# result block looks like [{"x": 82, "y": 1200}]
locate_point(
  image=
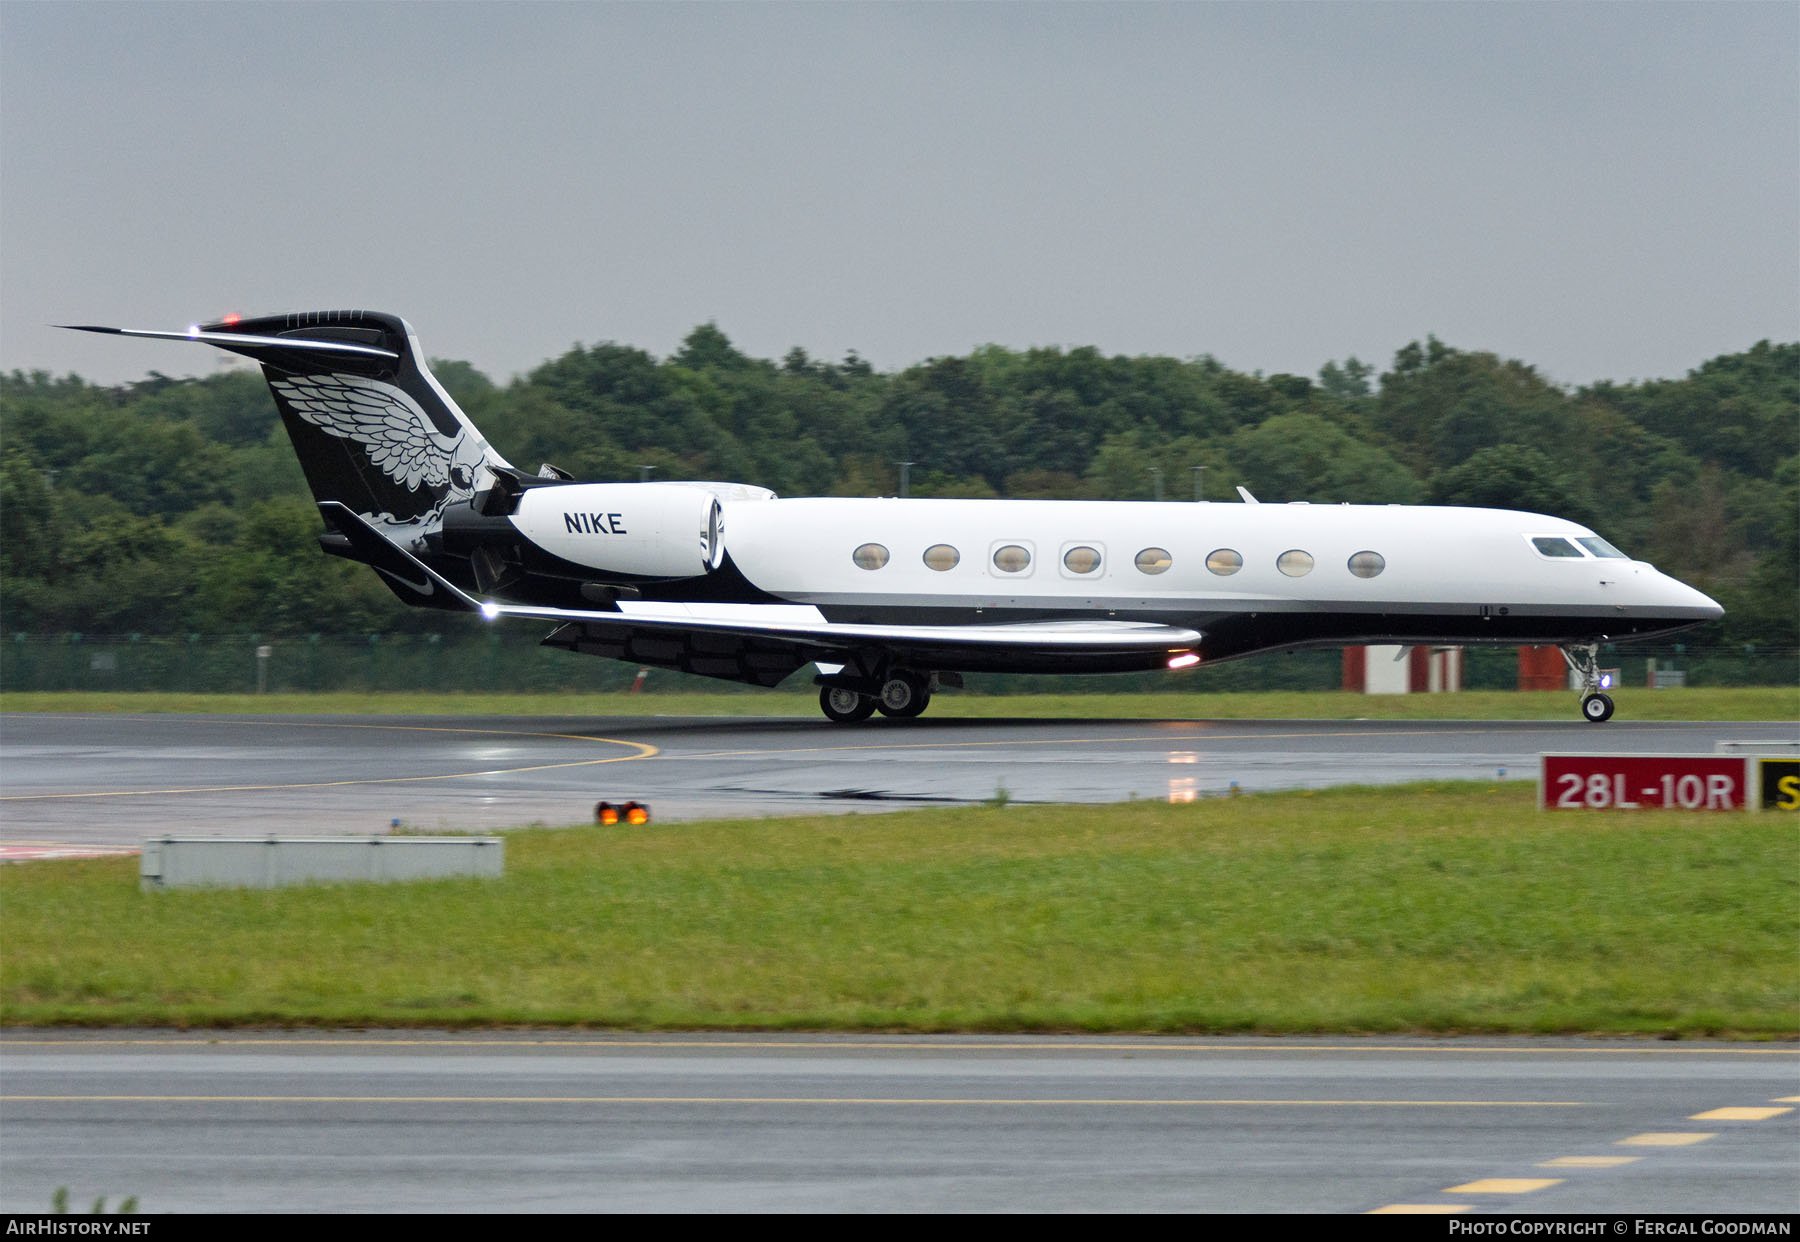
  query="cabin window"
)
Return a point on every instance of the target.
[
  {"x": 1154, "y": 561},
  {"x": 1556, "y": 546},
  {"x": 1599, "y": 547},
  {"x": 1011, "y": 559},
  {"x": 1295, "y": 563},
  {"x": 1225, "y": 562},
  {"x": 941, "y": 557},
  {"x": 870, "y": 556},
  {"x": 1082, "y": 560},
  {"x": 1367, "y": 564}
]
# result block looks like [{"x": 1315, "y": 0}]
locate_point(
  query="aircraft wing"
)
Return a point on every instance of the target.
[{"x": 788, "y": 635}]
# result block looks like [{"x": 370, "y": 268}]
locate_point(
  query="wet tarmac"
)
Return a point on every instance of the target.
[{"x": 115, "y": 779}]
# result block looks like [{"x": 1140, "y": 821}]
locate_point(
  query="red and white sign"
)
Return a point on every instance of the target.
[
  {"x": 1650, "y": 782},
  {"x": 29, "y": 851}
]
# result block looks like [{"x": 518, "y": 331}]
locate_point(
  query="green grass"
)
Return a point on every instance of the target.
[
  {"x": 1455, "y": 910},
  {"x": 1710, "y": 703}
]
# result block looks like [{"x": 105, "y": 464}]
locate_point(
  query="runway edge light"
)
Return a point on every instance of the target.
[{"x": 607, "y": 814}]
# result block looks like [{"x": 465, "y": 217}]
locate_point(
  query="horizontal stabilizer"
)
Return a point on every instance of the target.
[
  {"x": 240, "y": 342},
  {"x": 406, "y": 575}
]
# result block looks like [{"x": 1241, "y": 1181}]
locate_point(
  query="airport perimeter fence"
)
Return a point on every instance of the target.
[{"x": 502, "y": 661}]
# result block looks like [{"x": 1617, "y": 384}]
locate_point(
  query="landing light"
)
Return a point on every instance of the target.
[
  {"x": 1186, "y": 659},
  {"x": 1606, "y": 681},
  {"x": 490, "y": 611}
]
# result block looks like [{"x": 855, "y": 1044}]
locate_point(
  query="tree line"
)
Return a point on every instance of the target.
[{"x": 176, "y": 505}]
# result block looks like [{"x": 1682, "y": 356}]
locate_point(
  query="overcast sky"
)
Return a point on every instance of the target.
[{"x": 1604, "y": 190}]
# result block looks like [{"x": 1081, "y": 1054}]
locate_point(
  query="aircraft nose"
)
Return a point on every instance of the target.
[{"x": 1697, "y": 604}]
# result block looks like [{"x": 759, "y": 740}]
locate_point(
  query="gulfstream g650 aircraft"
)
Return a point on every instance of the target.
[{"x": 892, "y": 598}]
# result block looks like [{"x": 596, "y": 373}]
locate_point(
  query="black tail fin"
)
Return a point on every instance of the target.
[{"x": 373, "y": 428}]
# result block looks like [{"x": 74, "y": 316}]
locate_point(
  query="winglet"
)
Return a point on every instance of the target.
[{"x": 410, "y": 578}]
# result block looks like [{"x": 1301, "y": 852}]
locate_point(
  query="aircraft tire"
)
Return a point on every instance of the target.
[
  {"x": 920, "y": 702},
  {"x": 843, "y": 706},
  {"x": 903, "y": 695},
  {"x": 1597, "y": 708}
]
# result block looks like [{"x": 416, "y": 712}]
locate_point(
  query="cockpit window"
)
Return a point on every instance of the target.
[
  {"x": 1599, "y": 547},
  {"x": 1555, "y": 545}
]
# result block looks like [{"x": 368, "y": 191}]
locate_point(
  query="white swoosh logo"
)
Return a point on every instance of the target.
[{"x": 423, "y": 587}]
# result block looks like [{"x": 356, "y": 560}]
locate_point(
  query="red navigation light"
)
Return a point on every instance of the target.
[{"x": 231, "y": 319}]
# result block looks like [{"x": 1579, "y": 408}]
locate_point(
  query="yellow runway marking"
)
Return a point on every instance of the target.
[
  {"x": 1739, "y": 1114},
  {"x": 1587, "y": 1162},
  {"x": 644, "y": 751},
  {"x": 1503, "y": 1186},
  {"x": 924, "y": 1045},
  {"x": 1664, "y": 1140},
  {"x": 1419, "y": 1209},
  {"x": 289, "y": 722},
  {"x": 750, "y": 1099},
  {"x": 1787, "y": 1099}
]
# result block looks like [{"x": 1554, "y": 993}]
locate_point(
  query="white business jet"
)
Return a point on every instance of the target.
[{"x": 893, "y": 598}]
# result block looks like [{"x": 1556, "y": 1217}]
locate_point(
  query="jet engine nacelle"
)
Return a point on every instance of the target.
[{"x": 635, "y": 530}]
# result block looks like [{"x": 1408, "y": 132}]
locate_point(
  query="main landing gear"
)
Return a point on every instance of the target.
[
  {"x": 1596, "y": 707},
  {"x": 843, "y": 706},
  {"x": 903, "y": 694}
]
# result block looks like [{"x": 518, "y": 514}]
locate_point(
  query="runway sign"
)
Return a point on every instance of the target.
[
  {"x": 1778, "y": 784},
  {"x": 1664, "y": 782},
  {"x": 30, "y": 851}
]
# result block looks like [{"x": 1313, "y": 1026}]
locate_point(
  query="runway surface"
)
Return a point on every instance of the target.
[
  {"x": 229, "y": 1121},
  {"x": 548, "y": 1122},
  {"x": 112, "y": 780}
]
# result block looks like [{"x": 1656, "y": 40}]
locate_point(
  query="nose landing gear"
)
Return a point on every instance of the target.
[{"x": 1596, "y": 707}]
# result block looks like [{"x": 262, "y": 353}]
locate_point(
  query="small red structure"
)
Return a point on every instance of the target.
[
  {"x": 1421, "y": 670},
  {"x": 1542, "y": 668}
]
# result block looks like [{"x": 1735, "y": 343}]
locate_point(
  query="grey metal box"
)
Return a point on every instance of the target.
[{"x": 270, "y": 862}]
